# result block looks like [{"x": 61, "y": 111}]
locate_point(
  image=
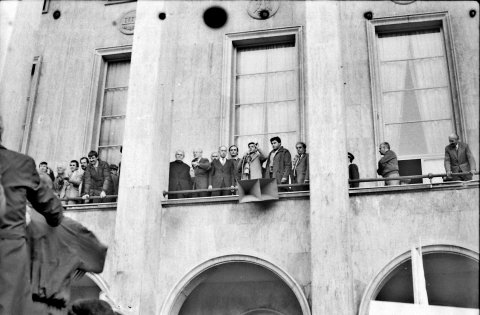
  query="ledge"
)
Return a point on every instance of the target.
[{"x": 112, "y": 206}]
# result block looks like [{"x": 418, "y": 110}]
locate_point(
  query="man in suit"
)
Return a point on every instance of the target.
[
  {"x": 458, "y": 159},
  {"x": 221, "y": 173},
  {"x": 279, "y": 162},
  {"x": 19, "y": 181},
  {"x": 179, "y": 176},
  {"x": 200, "y": 167},
  {"x": 388, "y": 164},
  {"x": 300, "y": 167},
  {"x": 233, "y": 150},
  {"x": 352, "y": 170},
  {"x": 98, "y": 180}
]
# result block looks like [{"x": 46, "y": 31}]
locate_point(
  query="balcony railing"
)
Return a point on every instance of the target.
[{"x": 291, "y": 189}]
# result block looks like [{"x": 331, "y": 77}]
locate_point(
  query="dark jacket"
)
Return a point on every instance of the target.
[
  {"x": 353, "y": 174},
  {"x": 300, "y": 169},
  {"x": 20, "y": 181},
  {"x": 460, "y": 161},
  {"x": 179, "y": 178},
  {"x": 98, "y": 179},
  {"x": 221, "y": 174},
  {"x": 282, "y": 165},
  {"x": 387, "y": 164}
]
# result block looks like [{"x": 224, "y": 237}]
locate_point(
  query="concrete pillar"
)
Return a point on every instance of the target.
[
  {"x": 135, "y": 256},
  {"x": 332, "y": 289}
]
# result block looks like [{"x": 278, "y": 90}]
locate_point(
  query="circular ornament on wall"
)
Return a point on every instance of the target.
[
  {"x": 262, "y": 9},
  {"x": 404, "y": 2},
  {"x": 126, "y": 23}
]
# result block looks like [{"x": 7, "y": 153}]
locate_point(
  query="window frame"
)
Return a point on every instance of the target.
[
  {"x": 102, "y": 57},
  {"x": 232, "y": 42},
  {"x": 414, "y": 22}
]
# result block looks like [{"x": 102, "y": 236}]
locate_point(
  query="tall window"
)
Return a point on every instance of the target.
[
  {"x": 113, "y": 109},
  {"x": 266, "y": 95},
  {"x": 413, "y": 91}
]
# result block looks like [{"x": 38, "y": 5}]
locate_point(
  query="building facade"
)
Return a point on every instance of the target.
[{"x": 342, "y": 76}]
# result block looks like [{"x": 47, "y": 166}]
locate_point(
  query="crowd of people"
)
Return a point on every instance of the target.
[
  {"x": 88, "y": 180},
  {"x": 223, "y": 172}
]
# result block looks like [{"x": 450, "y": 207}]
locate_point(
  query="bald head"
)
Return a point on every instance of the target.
[{"x": 453, "y": 140}]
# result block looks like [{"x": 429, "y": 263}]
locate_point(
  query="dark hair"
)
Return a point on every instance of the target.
[
  {"x": 230, "y": 147},
  {"x": 93, "y": 153},
  {"x": 43, "y": 163},
  {"x": 121, "y": 148},
  {"x": 90, "y": 307},
  {"x": 250, "y": 143},
  {"x": 276, "y": 139},
  {"x": 302, "y": 143},
  {"x": 386, "y": 144},
  {"x": 83, "y": 158},
  {"x": 74, "y": 161}
]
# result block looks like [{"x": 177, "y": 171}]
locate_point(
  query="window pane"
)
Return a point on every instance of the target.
[
  {"x": 117, "y": 73},
  {"x": 252, "y": 117},
  {"x": 115, "y": 102},
  {"x": 425, "y": 105},
  {"x": 110, "y": 155},
  {"x": 281, "y": 86},
  {"x": 282, "y": 117},
  {"x": 250, "y": 89},
  {"x": 111, "y": 131},
  {"x": 407, "y": 45},
  {"x": 418, "y": 138},
  {"x": 281, "y": 57}
]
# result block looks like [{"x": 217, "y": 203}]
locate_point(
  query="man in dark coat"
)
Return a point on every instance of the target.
[
  {"x": 98, "y": 180},
  {"x": 352, "y": 170},
  {"x": 233, "y": 150},
  {"x": 458, "y": 159},
  {"x": 20, "y": 181},
  {"x": 221, "y": 173},
  {"x": 279, "y": 162},
  {"x": 388, "y": 164},
  {"x": 300, "y": 167},
  {"x": 200, "y": 167},
  {"x": 179, "y": 176}
]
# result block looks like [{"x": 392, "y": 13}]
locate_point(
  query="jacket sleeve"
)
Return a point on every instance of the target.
[
  {"x": 41, "y": 196},
  {"x": 262, "y": 155},
  {"x": 204, "y": 164},
  {"x": 446, "y": 161},
  {"x": 232, "y": 172},
  {"x": 287, "y": 164},
  {"x": 107, "y": 179},
  {"x": 380, "y": 166},
  {"x": 76, "y": 178},
  {"x": 471, "y": 159},
  {"x": 87, "y": 181},
  {"x": 307, "y": 167},
  {"x": 211, "y": 173}
]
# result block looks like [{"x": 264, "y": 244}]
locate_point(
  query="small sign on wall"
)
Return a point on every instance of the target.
[{"x": 126, "y": 23}]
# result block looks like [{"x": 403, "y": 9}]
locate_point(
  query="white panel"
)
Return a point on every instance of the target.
[{"x": 393, "y": 308}]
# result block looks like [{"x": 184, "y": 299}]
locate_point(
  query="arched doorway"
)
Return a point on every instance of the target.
[
  {"x": 236, "y": 284},
  {"x": 451, "y": 275}
]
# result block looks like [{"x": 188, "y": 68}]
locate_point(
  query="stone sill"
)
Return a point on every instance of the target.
[
  {"x": 112, "y": 2},
  {"x": 112, "y": 206}
]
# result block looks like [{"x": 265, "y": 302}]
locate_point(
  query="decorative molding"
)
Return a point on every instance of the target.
[
  {"x": 126, "y": 23},
  {"x": 194, "y": 277},
  {"x": 262, "y": 9},
  {"x": 31, "y": 101}
]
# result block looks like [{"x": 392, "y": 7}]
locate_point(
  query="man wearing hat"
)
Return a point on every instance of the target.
[
  {"x": 115, "y": 178},
  {"x": 352, "y": 171}
]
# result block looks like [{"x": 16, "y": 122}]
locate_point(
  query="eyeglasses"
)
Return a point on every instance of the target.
[{"x": 299, "y": 147}]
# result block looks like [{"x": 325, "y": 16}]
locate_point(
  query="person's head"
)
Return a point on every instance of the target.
[
  {"x": 60, "y": 171},
  {"x": 43, "y": 166},
  {"x": 214, "y": 156},
  {"x": 276, "y": 142},
  {"x": 301, "y": 147},
  {"x": 350, "y": 157},
  {"x": 179, "y": 155},
  {"x": 384, "y": 147},
  {"x": 113, "y": 169},
  {"x": 197, "y": 153},
  {"x": 73, "y": 165},
  {"x": 93, "y": 157},
  {"x": 252, "y": 147},
  {"x": 223, "y": 151},
  {"x": 84, "y": 162},
  {"x": 452, "y": 140},
  {"x": 233, "y": 150}
]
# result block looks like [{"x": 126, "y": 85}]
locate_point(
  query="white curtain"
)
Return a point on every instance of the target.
[
  {"x": 417, "y": 107},
  {"x": 266, "y": 96},
  {"x": 113, "y": 111}
]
